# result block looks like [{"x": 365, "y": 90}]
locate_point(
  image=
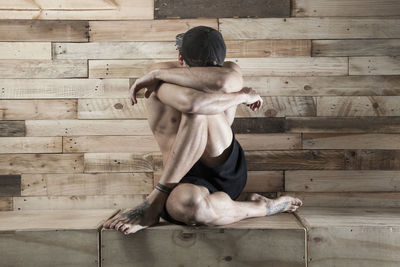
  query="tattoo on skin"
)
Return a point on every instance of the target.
[
  {"x": 273, "y": 209},
  {"x": 137, "y": 212}
]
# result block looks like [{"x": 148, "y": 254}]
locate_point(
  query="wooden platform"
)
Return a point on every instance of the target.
[
  {"x": 51, "y": 238},
  {"x": 277, "y": 240},
  {"x": 352, "y": 236}
]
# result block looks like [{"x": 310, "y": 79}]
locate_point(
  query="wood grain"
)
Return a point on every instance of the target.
[
  {"x": 41, "y": 163},
  {"x": 310, "y": 28},
  {"x": 144, "y": 30},
  {"x": 31, "y": 145},
  {"x": 221, "y": 9},
  {"x": 12, "y": 128},
  {"x": 63, "y": 88},
  {"x": 258, "y": 125},
  {"x": 6, "y": 203},
  {"x": 352, "y": 48},
  {"x": 10, "y": 185},
  {"x": 111, "y": 108},
  {"x": 269, "y": 141},
  {"x": 129, "y": 68},
  {"x": 38, "y": 109},
  {"x": 15, "y": 68},
  {"x": 39, "y": 30},
  {"x": 25, "y": 50},
  {"x": 345, "y": 8},
  {"x": 118, "y": 162},
  {"x": 374, "y": 65},
  {"x": 373, "y": 159},
  {"x": 264, "y": 181}
]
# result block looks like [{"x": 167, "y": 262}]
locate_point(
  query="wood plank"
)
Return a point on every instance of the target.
[
  {"x": 295, "y": 160},
  {"x": 325, "y": 86},
  {"x": 6, "y": 203},
  {"x": 351, "y": 48},
  {"x": 110, "y": 144},
  {"x": 115, "y": 50},
  {"x": 258, "y": 125},
  {"x": 269, "y": 141},
  {"x": 373, "y": 159},
  {"x": 118, "y": 162},
  {"x": 16, "y": 68},
  {"x": 86, "y": 184},
  {"x": 278, "y": 233},
  {"x": 68, "y": 237},
  {"x": 10, "y": 185},
  {"x": 343, "y": 125},
  {"x": 373, "y": 234},
  {"x": 111, "y": 108},
  {"x": 342, "y": 181},
  {"x": 86, "y": 127},
  {"x": 24, "y": 50},
  {"x": 348, "y": 199},
  {"x": 221, "y": 9},
  {"x": 38, "y": 109},
  {"x": 350, "y": 141},
  {"x": 358, "y": 106},
  {"x": 63, "y": 88},
  {"x": 374, "y": 65},
  {"x": 39, "y": 30},
  {"x": 297, "y": 66},
  {"x": 264, "y": 181},
  {"x": 12, "y": 128},
  {"x": 41, "y": 163},
  {"x": 310, "y": 28},
  {"x": 31, "y": 145},
  {"x": 345, "y": 8},
  {"x": 268, "y": 48},
  {"x": 281, "y": 107},
  {"x": 81, "y": 202},
  {"x": 129, "y": 68},
  {"x": 144, "y": 30},
  {"x": 77, "y": 10}
]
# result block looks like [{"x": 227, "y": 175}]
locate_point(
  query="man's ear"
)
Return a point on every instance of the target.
[{"x": 180, "y": 59}]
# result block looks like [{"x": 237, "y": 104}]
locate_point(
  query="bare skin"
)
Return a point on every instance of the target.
[{"x": 188, "y": 133}]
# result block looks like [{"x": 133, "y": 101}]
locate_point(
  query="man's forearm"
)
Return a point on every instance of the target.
[{"x": 212, "y": 104}]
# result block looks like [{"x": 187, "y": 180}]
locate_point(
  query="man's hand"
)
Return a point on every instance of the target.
[
  {"x": 148, "y": 81},
  {"x": 254, "y": 101}
]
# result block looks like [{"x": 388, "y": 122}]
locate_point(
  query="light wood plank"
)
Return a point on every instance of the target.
[
  {"x": 86, "y": 127},
  {"x": 268, "y": 48},
  {"x": 310, "y": 28},
  {"x": 299, "y": 66},
  {"x": 31, "y": 145},
  {"x": 348, "y": 199},
  {"x": 63, "y": 88},
  {"x": 343, "y": 125},
  {"x": 351, "y": 141},
  {"x": 295, "y": 160},
  {"x": 269, "y": 141},
  {"x": 118, "y": 162},
  {"x": 10, "y": 68},
  {"x": 374, "y": 65},
  {"x": 112, "y": 108},
  {"x": 25, "y": 50},
  {"x": 281, "y": 107},
  {"x": 12, "y": 128},
  {"x": 351, "y": 48},
  {"x": 38, "y": 109},
  {"x": 77, "y": 10},
  {"x": 50, "y": 31},
  {"x": 345, "y": 8},
  {"x": 6, "y": 203},
  {"x": 77, "y": 202},
  {"x": 342, "y": 181},
  {"x": 110, "y": 144},
  {"x": 129, "y": 68},
  {"x": 325, "y": 86},
  {"x": 144, "y": 30},
  {"x": 373, "y": 159},
  {"x": 10, "y": 185},
  {"x": 115, "y": 50},
  {"x": 358, "y": 106},
  {"x": 86, "y": 184},
  {"x": 41, "y": 163}
]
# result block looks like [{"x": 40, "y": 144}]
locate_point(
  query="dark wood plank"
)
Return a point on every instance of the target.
[
  {"x": 221, "y": 8},
  {"x": 10, "y": 185},
  {"x": 258, "y": 125},
  {"x": 372, "y": 159},
  {"x": 12, "y": 128},
  {"x": 295, "y": 160},
  {"x": 343, "y": 125},
  {"x": 44, "y": 30},
  {"x": 6, "y": 203}
]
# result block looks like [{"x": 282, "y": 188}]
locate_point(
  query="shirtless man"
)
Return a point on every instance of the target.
[{"x": 191, "y": 105}]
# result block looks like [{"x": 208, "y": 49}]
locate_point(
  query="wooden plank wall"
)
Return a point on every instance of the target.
[{"x": 328, "y": 71}]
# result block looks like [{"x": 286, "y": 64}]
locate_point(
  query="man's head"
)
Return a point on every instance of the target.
[{"x": 201, "y": 46}]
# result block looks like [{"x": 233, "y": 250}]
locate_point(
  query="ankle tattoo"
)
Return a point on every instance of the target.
[
  {"x": 137, "y": 212},
  {"x": 273, "y": 209}
]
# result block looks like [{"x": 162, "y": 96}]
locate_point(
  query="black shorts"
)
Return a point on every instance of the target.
[{"x": 230, "y": 177}]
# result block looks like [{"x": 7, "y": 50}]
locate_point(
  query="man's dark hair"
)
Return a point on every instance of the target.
[{"x": 202, "y": 46}]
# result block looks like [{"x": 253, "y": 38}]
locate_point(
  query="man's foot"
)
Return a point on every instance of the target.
[{"x": 281, "y": 204}]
